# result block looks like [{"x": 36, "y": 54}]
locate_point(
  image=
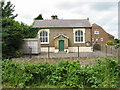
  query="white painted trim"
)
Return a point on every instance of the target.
[
  {"x": 48, "y": 35},
  {"x": 61, "y": 34},
  {"x": 82, "y": 29}
]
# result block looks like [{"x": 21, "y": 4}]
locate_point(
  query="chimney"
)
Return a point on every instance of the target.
[
  {"x": 88, "y": 19},
  {"x": 54, "y": 17}
]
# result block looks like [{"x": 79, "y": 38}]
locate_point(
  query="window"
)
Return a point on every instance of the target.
[
  {"x": 44, "y": 37},
  {"x": 101, "y": 39},
  {"x": 96, "y": 39},
  {"x": 96, "y": 32},
  {"x": 92, "y": 39},
  {"x": 79, "y": 36}
]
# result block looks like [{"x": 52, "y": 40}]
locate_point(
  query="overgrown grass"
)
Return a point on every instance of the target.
[{"x": 64, "y": 74}]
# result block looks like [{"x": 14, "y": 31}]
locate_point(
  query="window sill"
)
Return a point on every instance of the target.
[
  {"x": 45, "y": 43},
  {"x": 79, "y": 42}
]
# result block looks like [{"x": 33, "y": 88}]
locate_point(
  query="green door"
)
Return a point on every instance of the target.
[{"x": 61, "y": 45}]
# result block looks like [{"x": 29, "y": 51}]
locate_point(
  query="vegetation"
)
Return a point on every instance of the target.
[
  {"x": 39, "y": 17},
  {"x": 103, "y": 74},
  {"x": 7, "y": 10},
  {"x": 109, "y": 42},
  {"x": 13, "y": 32},
  {"x": 117, "y": 43}
]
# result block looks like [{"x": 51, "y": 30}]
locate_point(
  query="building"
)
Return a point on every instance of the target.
[
  {"x": 100, "y": 36},
  {"x": 64, "y": 35}
]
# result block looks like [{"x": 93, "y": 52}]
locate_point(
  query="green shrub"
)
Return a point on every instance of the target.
[
  {"x": 65, "y": 74},
  {"x": 109, "y": 42}
]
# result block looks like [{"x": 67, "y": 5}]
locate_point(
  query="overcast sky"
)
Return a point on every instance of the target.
[{"x": 101, "y": 12}]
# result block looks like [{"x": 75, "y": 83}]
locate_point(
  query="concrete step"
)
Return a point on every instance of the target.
[{"x": 62, "y": 52}]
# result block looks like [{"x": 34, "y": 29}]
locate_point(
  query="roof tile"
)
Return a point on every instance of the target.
[{"x": 62, "y": 23}]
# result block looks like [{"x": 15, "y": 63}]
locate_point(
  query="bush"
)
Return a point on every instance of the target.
[
  {"x": 65, "y": 74},
  {"x": 109, "y": 42}
]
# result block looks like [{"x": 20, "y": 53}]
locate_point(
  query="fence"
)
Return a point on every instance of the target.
[
  {"x": 105, "y": 51},
  {"x": 111, "y": 50}
]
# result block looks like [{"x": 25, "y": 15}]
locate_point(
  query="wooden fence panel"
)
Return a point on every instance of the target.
[{"x": 118, "y": 55}]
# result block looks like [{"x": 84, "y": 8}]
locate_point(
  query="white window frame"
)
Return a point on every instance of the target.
[
  {"x": 102, "y": 39},
  {"x": 96, "y": 32},
  {"x": 47, "y": 30},
  {"x": 81, "y": 29}
]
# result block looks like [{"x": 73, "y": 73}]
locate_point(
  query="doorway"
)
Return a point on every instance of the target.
[{"x": 61, "y": 45}]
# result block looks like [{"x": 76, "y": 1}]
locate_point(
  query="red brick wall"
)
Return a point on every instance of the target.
[{"x": 102, "y": 34}]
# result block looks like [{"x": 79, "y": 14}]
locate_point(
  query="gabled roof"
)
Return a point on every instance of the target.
[
  {"x": 62, "y": 23},
  {"x": 94, "y": 25}
]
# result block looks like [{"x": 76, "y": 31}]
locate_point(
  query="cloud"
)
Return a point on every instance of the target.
[
  {"x": 102, "y": 12},
  {"x": 101, "y": 6}
]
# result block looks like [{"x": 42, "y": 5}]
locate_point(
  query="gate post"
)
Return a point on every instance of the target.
[
  {"x": 48, "y": 52},
  {"x": 30, "y": 52},
  {"x": 106, "y": 49},
  {"x": 78, "y": 51}
]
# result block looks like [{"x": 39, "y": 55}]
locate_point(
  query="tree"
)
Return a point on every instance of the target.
[
  {"x": 13, "y": 32},
  {"x": 7, "y": 10},
  {"x": 117, "y": 41},
  {"x": 39, "y": 17},
  {"x": 11, "y": 37}
]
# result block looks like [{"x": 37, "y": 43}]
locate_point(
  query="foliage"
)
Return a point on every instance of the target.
[
  {"x": 30, "y": 32},
  {"x": 109, "y": 42},
  {"x": 7, "y": 10},
  {"x": 12, "y": 34},
  {"x": 11, "y": 37},
  {"x": 103, "y": 74},
  {"x": 39, "y": 17},
  {"x": 117, "y": 41}
]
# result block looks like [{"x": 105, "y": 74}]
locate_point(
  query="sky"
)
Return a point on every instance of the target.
[{"x": 101, "y": 12}]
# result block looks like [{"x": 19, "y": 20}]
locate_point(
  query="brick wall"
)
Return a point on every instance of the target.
[{"x": 103, "y": 36}]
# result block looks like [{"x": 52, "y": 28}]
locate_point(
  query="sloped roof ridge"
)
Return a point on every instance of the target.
[{"x": 59, "y": 19}]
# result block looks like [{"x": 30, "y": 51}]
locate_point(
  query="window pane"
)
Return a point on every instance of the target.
[
  {"x": 96, "y": 32},
  {"x": 41, "y": 39},
  {"x": 81, "y": 39},
  {"x": 46, "y": 39},
  {"x": 46, "y": 34},
  {"x": 81, "y": 33},
  {"x": 43, "y": 33},
  {"x": 76, "y": 33},
  {"x": 40, "y": 33},
  {"x": 78, "y": 39}
]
